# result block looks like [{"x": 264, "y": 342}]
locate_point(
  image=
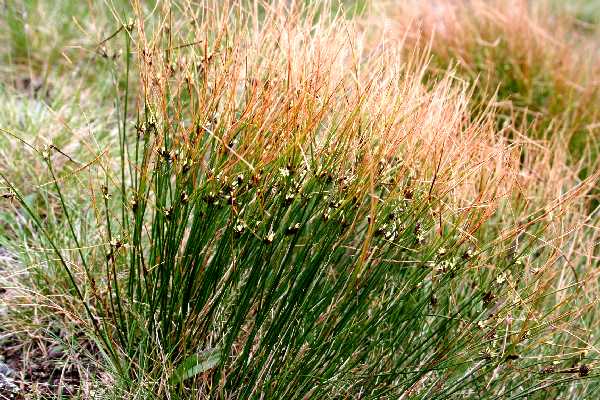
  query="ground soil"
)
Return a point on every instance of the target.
[{"x": 43, "y": 368}]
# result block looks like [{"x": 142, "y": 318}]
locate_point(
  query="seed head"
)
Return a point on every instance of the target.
[
  {"x": 390, "y": 234},
  {"x": 187, "y": 164},
  {"x": 134, "y": 204},
  {"x": 184, "y": 198},
  {"x": 548, "y": 370},
  {"x": 335, "y": 204},
  {"x": 289, "y": 197},
  {"x": 105, "y": 193},
  {"x": 269, "y": 238},
  {"x": 239, "y": 227},
  {"x": 151, "y": 122},
  {"x": 116, "y": 243},
  {"x": 284, "y": 172},
  {"x": 129, "y": 25},
  {"x": 467, "y": 255},
  {"x": 141, "y": 129},
  {"x": 231, "y": 199},
  {"x": 500, "y": 279},
  {"x": 381, "y": 230},
  {"x": 433, "y": 300},
  {"x": 8, "y": 195},
  {"x": 488, "y": 297},
  {"x": 45, "y": 152},
  {"x": 165, "y": 154},
  {"x": 293, "y": 229},
  {"x": 256, "y": 178}
]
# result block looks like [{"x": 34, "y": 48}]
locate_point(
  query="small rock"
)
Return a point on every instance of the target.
[
  {"x": 6, "y": 382},
  {"x": 5, "y": 370}
]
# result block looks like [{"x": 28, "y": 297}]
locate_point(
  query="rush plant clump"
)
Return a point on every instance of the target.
[{"x": 287, "y": 211}]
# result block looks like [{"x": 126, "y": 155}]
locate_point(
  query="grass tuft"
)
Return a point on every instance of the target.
[{"x": 273, "y": 206}]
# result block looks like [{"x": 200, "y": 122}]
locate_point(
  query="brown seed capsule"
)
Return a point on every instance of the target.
[
  {"x": 231, "y": 199},
  {"x": 165, "y": 154},
  {"x": 344, "y": 222},
  {"x": 240, "y": 179},
  {"x": 140, "y": 129},
  {"x": 116, "y": 244},
  {"x": 433, "y": 300},
  {"x": 104, "y": 190},
  {"x": 467, "y": 255},
  {"x": 289, "y": 197},
  {"x": 210, "y": 197},
  {"x": 239, "y": 228},
  {"x": 103, "y": 51},
  {"x": 255, "y": 178},
  {"x": 152, "y": 122},
  {"x": 335, "y": 204},
  {"x": 269, "y": 238},
  {"x": 488, "y": 297},
  {"x": 130, "y": 25},
  {"x": 584, "y": 370},
  {"x": 187, "y": 164},
  {"x": 134, "y": 204},
  {"x": 382, "y": 165},
  {"x": 293, "y": 229},
  {"x": 184, "y": 198},
  {"x": 548, "y": 370},
  {"x": 417, "y": 228}
]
